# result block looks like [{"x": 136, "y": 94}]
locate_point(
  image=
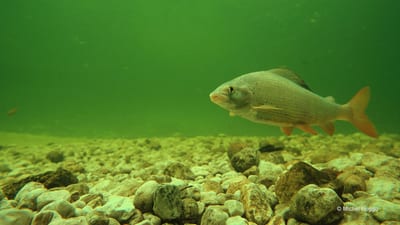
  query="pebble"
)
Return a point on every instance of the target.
[
  {"x": 255, "y": 203},
  {"x": 235, "y": 208},
  {"x": 191, "y": 209},
  {"x": 154, "y": 220},
  {"x": 316, "y": 205},
  {"x": 167, "y": 202},
  {"x": 179, "y": 170},
  {"x": 15, "y": 216},
  {"x": 64, "y": 208},
  {"x": 351, "y": 182},
  {"x": 26, "y": 197},
  {"x": 236, "y": 220},
  {"x": 245, "y": 159},
  {"x": 354, "y": 216},
  {"x": 50, "y": 196},
  {"x": 214, "y": 215},
  {"x": 97, "y": 219},
  {"x": 387, "y": 188},
  {"x": 210, "y": 198},
  {"x": 118, "y": 207},
  {"x": 144, "y": 196},
  {"x": 382, "y": 210},
  {"x": 45, "y": 217},
  {"x": 55, "y": 156}
]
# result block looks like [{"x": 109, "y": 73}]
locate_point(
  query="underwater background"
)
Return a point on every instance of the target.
[{"x": 146, "y": 67}]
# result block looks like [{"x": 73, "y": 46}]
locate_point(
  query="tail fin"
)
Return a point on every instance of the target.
[{"x": 359, "y": 119}]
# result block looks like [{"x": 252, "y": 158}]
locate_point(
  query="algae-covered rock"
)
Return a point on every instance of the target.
[
  {"x": 245, "y": 159},
  {"x": 58, "y": 178},
  {"x": 298, "y": 176},
  {"x": 167, "y": 202},
  {"x": 316, "y": 205}
]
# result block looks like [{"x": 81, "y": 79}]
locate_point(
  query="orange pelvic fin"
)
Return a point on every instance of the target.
[
  {"x": 287, "y": 130},
  {"x": 359, "y": 119},
  {"x": 328, "y": 127},
  {"x": 307, "y": 128}
]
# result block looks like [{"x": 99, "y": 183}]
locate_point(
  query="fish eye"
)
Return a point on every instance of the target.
[{"x": 230, "y": 89}]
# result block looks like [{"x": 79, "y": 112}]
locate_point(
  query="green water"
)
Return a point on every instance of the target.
[{"x": 145, "y": 68}]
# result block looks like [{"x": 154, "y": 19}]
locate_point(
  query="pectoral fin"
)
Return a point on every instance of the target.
[
  {"x": 328, "y": 127},
  {"x": 265, "y": 108}
]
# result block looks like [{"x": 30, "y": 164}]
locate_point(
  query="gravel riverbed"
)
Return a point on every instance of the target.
[{"x": 300, "y": 179}]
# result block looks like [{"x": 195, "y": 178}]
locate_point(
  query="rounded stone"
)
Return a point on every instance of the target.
[
  {"x": 298, "y": 176},
  {"x": 55, "y": 156},
  {"x": 46, "y": 217},
  {"x": 245, "y": 159},
  {"x": 214, "y": 215},
  {"x": 50, "y": 196},
  {"x": 179, "y": 170},
  {"x": 316, "y": 205},
  {"x": 118, "y": 207},
  {"x": 64, "y": 208},
  {"x": 144, "y": 196},
  {"x": 236, "y": 220},
  {"x": 255, "y": 203},
  {"x": 167, "y": 202},
  {"x": 15, "y": 216},
  {"x": 26, "y": 197},
  {"x": 235, "y": 208}
]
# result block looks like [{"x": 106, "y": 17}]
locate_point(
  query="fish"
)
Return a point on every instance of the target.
[
  {"x": 281, "y": 98},
  {"x": 12, "y": 111}
]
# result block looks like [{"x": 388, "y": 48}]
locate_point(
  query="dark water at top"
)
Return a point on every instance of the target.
[{"x": 145, "y": 68}]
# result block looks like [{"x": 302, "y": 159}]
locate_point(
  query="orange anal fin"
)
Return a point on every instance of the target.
[
  {"x": 307, "y": 128},
  {"x": 287, "y": 130},
  {"x": 328, "y": 127}
]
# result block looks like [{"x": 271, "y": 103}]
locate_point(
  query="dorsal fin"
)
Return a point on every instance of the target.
[{"x": 290, "y": 75}]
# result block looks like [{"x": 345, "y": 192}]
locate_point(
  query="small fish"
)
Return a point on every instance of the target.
[
  {"x": 279, "y": 97},
  {"x": 12, "y": 112}
]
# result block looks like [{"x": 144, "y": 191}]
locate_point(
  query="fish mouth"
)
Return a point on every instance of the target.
[{"x": 217, "y": 98}]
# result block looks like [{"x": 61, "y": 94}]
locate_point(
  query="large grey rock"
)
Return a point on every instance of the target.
[
  {"x": 15, "y": 216},
  {"x": 214, "y": 215},
  {"x": 144, "y": 196},
  {"x": 167, "y": 202},
  {"x": 316, "y": 205},
  {"x": 118, "y": 207},
  {"x": 255, "y": 202}
]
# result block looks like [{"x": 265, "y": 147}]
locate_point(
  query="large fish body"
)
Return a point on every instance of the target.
[{"x": 279, "y": 97}]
